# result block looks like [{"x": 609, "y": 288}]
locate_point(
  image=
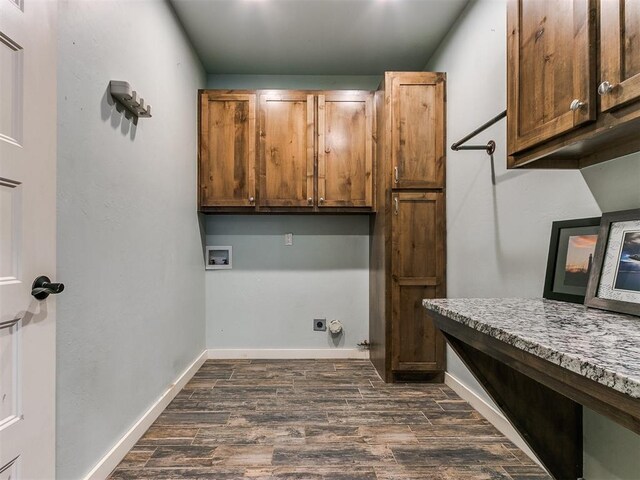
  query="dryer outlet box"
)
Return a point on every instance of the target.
[{"x": 320, "y": 324}]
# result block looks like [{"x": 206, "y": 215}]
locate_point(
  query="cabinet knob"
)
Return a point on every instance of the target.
[
  {"x": 310, "y": 201},
  {"x": 605, "y": 88},
  {"x": 576, "y": 105},
  {"x": 321, "y": 200},
  {"x": 251, "y": 199}
]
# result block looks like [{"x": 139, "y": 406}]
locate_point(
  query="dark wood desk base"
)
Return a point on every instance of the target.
[{"x": 542, "y": 400}]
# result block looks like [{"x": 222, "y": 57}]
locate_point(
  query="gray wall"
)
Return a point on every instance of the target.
[
  {"x": 502, "y": 231},
  {"x": 132, "y": 316},
  {"x": 271, "y": 296},
  {"x": 295, "y": 82}
]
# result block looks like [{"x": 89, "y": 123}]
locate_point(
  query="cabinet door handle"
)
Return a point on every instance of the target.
[
  {"x": 321, "y": 200},
  {"x": 251, "y": 199},
  {"x": 310, "y": 201},
  {"x": 395, "y": 202},
  {"x": 395, "y": 174},
  {"x": 576, "y": 105},
  {"x": 604, "y": 88}
]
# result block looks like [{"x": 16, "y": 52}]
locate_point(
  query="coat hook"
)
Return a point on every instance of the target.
[{"x": 128, "y": 98}]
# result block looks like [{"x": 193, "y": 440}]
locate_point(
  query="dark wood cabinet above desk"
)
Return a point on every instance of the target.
[{"x": 573, "y": 82}]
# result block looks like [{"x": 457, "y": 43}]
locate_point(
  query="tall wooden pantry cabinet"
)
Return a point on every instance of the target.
[{"x": 408, "y": 233}]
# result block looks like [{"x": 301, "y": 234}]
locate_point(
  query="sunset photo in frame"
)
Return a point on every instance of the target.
[
  {"x": 614, "y": 282},
  {"x": 571, "y": 250}
]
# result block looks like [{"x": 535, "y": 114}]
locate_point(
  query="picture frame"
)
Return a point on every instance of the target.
[
  {"x": 614, "y": 282},
  {"x": 218, "y": 257},
  {"x": 571, "y": 249}
]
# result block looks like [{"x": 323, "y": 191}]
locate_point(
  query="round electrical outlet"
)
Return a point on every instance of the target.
[{"x": 320, "y": 324}]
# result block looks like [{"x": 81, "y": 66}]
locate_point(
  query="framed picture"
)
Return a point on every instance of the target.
[
  {"x": 614, "y": 283},
  {"x": 219, "y": 258},
  {"x": 571, "y": 253}
]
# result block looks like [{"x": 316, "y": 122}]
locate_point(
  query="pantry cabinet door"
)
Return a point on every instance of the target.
[
  {"x": 345, "y": 149},
  {"x": 287, "y": 149},
  {"x": 417, "y": 129},
  {"x": 619, "y": 53},
  {"x": 550, "y": 69},
  {"x": 418, "y": 272},
  {"x": 227, "y": 149}
]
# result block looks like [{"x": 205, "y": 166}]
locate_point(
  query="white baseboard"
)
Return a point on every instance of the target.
[
  {"x": 113, "y": 457},
  {"x": 495, "y": 417},
  {"x": 287, "y": 353}
]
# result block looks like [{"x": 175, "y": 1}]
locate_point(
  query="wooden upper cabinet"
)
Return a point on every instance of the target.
[
  {"x": 227, "y": 149},
  {"x": 287, "y": 149},
  {"x": 551, "y": 63},
  {"x": 417, "y": 102},
  {"x": 619, "y": 52},
  {"x": 345, "y": 149}
]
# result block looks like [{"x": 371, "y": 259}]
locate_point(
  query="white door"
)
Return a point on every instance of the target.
[{"x": 27, "y": 237}]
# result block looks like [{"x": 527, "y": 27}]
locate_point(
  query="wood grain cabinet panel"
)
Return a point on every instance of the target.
[
  {"x": 555, "y": 117},
  {"x": 418, "y": 234},
  {"x": 418, "y": 272},
  {"x": 287, "y": 149},
  {"x": 550, "y": 67},
  {"x": 227, "y": 149},
  {"x": 619, "y": 52},
  {"x": 417, "y": 135},
  {"x": 345, "y": 149},
  {"x": 418, "y": 345}
]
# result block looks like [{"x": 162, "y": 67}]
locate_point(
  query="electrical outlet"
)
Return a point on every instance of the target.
[
  {"x": 320, "y": 324},
  {"x": 288, "y": 239}
]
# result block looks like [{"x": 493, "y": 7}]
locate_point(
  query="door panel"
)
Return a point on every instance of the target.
[
  {"x": 619, "y": 52},
  {"x": 11, "y": 79},
  {"x": 345, "y": 149},
  {"x": 418, "y": 272},
  {"x": 551, "y": 62},
  {"x": 27, "y": 237},
  {"x": 287, "y": 149},
  {"x": 227, "y": 149},
  {"x": 417, "y": 135},
  {"x": 418, "y": 344},
  {"x": 418, "y": 235}
]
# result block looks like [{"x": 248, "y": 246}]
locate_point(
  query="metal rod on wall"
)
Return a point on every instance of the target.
[{"x": 490, "y": 147}]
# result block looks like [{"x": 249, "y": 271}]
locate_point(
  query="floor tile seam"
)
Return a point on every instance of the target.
[
  {"x": 506, "y": 472},
  {"x": 196, "y": 435},
  {"x": 147, "y": 461}
]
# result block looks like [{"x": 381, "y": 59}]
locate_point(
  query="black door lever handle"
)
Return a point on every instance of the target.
[{"x": 42, "y": 288}]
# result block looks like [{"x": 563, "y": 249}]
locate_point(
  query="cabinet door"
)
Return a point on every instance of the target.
[
  {"x": 418, "y": 345},
  {"x": 418, "y": 272},
  {"x": 417, "y": 129},
  {"x": 227, "y": 149},
  {"x": 619, "y": 52},
  {"x": 345, "y": 149},
  {"x": 550, "y": 69},
  {"x": 286, "y": 149}
]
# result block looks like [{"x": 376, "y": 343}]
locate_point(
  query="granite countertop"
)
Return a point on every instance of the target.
[{"x": 602, "y": 346}]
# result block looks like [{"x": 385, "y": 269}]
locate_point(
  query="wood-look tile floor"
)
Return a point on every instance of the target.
[{"x": 319, "y": 419}]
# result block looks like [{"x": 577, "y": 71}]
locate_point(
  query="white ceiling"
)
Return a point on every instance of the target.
[{"x": 316, "y": 37}]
